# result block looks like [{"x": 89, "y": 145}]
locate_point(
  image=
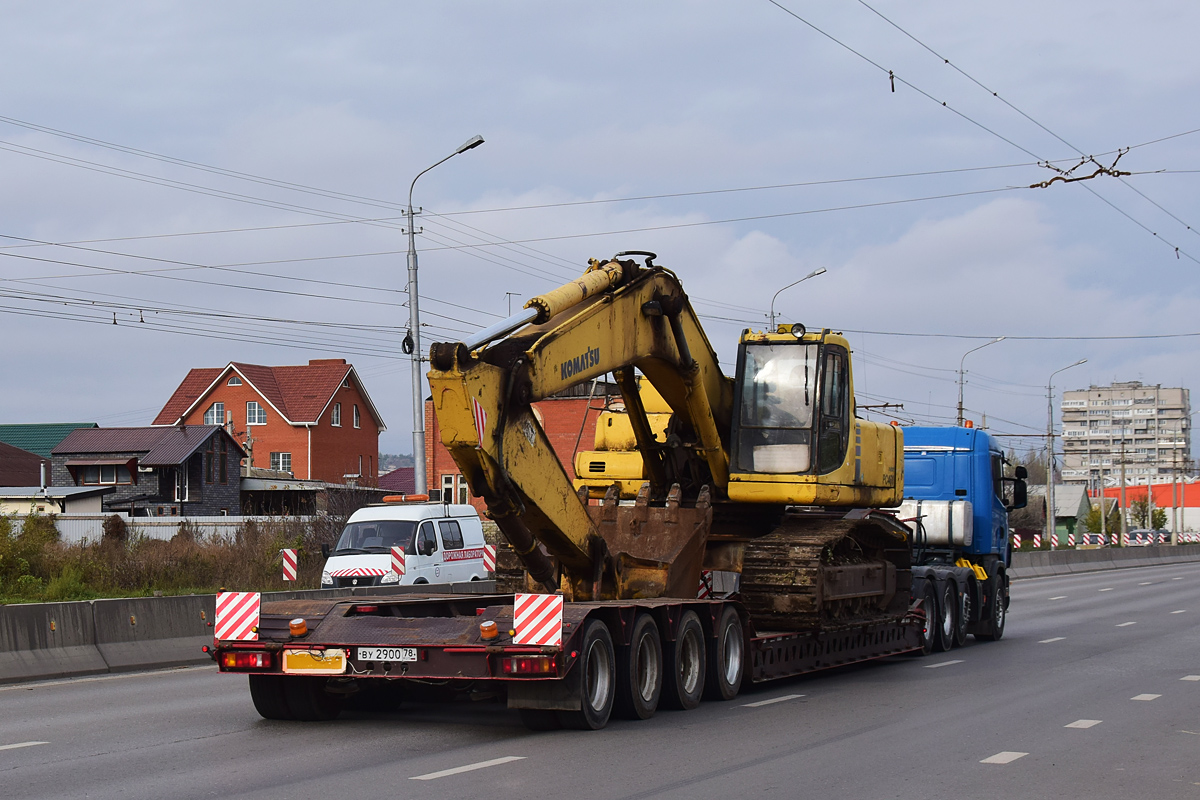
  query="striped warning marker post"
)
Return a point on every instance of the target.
[
  {"x": 1071, "y": 539},
  {"x": 489, "y": 558},
  {"x": 237, "y": 616},
  {"x": 1037, "y": 541},
  {"x": 398, "y": 561},
  {"x": 537, "y": 619},
  {"x": 289, "y": 564},
  {"x": 706, "y": 585},
  {"x": 1016, "y": 541},
  {"x": 1125, "y": 539},
  {"x": 1054, "y": 541}
]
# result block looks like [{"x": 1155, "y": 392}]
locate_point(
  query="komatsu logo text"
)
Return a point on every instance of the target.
[{"x": 590, "y": 358}]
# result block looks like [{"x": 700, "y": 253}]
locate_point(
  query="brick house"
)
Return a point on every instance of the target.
[
  {"x": 185, "y": 470},
  {"x": 314, "y": 421},
  {"x": 569, "y": 420}
]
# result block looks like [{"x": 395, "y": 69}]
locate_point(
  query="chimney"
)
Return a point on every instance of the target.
[{"x": 43, "y": 465}]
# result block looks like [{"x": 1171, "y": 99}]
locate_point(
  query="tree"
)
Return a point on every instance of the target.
[
  {"x": 1091, "y": 522},
  {"x": 1034, "y": 463},
  {"x": 1139, "y": 513},
  {"x": 1159, "y": 519}
]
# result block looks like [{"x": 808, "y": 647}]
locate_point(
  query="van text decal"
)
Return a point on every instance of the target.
[
  {"x": 576, "y": 365},
  {"x": 462, "y": 555}
]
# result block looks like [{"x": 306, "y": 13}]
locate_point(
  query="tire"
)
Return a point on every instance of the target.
[
  {"x": 997, "y": 607},
  {"x": 683, "y": 678},
  {"x": 962, "y": 616},
  {"x": 538, "y": 720},
  {"x": 308, "y": 701},
  {"x": 597, "y": 680},
  {"x": 726, "y": 658},
  {"x": 947, "y": 618},
  {"x": 640, "y": 671},
  {"x": 929, "y": 604},
  {"x": 270, "y": 700}
]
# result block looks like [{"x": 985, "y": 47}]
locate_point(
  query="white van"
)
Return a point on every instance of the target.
[{"x": 443, "y": 543}]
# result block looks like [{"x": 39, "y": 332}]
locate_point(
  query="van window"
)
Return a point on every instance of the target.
[
  {"x": 452, "y": 538},
  {"x": 426, "y": 540},
  {"x": 377, "y": 536}
]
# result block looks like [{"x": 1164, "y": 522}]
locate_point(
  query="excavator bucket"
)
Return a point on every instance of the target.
[{"x": 656, "y": 551}]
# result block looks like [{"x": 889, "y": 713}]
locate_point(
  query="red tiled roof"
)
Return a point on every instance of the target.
[
  {"x": 197, "y": 381},
  {"x": 400, "y": 480},
  {"x": 160, "y": 446}
]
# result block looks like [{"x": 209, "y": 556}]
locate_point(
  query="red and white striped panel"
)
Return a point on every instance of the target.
[
  {"x": 289, "y": 564},
  {"x": 237, "y": 616},
  {"x": 537, "y": 619},
  {"x": 358, "y": 572},
  {"x": 1016, "y": 541},
  {"x": 489, "y": 558},
  {"x": 480, "y": 419},
  {"x": 1037, "y": 541},
  {"x": 1071, "y": 539},
  {"x": 705, "y": 591},
  {"x": 398, "y": 561},
  {"x": 1054, "y": 540}
]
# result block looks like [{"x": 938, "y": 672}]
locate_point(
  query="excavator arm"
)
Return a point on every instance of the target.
[{"x": 618, "y": 317}]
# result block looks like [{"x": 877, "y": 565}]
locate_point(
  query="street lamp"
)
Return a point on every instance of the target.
[
  {"x": 412, "y": 342},
  {"x": 960, "y": 374},
  {"x": 813, "y": 274},
  {"x": 1050, "y": 452}
]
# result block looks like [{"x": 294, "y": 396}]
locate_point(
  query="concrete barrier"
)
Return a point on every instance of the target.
[
  {"x": 152, "y": 632},
  {"x": 1044, "y": 563},
  {"x": 48, "y": 640}
]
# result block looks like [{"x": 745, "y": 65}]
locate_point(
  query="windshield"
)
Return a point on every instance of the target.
[
  {"x": 379, "y": 536},
  {"x": 779, "y": 386}
]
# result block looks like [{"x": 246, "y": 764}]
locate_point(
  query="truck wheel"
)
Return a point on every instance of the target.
[
  {"x": 993, "y": 627},
  {"x": 267, "y": 692},
  {"x": 640, "y": 671},
  {"x": 947, "y": 618},
  {"x": 597, "y": 678},
  {"x": 962, "y": 616},
  {"x": 929, "y": 632},
  {"x": 684, "y": 683},
  {"x": 537, "y": 719},
  {"x": 308, "y": 701},
  {"x": 726, "y": 658}
]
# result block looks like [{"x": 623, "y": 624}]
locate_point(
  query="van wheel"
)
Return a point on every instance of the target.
[
  {"x": 597, "y": 680},
  {"x": 683, "y": 683}
]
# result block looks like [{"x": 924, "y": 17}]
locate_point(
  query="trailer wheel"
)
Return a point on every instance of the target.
[
  {"x": 726, "y": 658},
  {"x": 929, "y": 633},
  {"x": 947, "y": 618},
  {"x": 685, "y": 667},
  {"x": 640, "y": 671},
  {"x": 269, "y": 698},
  {"x": 537, "y": 719},
  {"x": 963, "y": 621},
  {"x": 308, "y": 701},
  {"x": 997, "y": 598},
  {"x": 597, "y": 677}
]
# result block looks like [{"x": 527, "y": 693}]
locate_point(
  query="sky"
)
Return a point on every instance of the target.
[{"x": 225, "y": 181}]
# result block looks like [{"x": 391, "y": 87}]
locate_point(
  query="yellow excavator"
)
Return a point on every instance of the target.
[{"x": 768, "y": 478}]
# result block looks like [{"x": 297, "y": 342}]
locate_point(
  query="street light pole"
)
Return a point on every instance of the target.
[
  {"x": 960, "y": 374},
  {"x": 813, "y": 274},
  {"x": 1050, "y": 451},
  {"x": 412, "y": 342}
]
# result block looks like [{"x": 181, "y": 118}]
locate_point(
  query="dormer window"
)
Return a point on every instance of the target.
[
  {"x": 235, "y": 381},
  {"x": 346, "y": 382}
]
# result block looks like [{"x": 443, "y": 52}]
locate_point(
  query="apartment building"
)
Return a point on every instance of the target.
[{"x": 1146, "y": 427}]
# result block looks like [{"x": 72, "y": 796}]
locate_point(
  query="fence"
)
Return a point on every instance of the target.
[{"x": 76, "y": 528}]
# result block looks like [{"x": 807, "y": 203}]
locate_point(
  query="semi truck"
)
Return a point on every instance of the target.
[{"x": 724, "y": 530}]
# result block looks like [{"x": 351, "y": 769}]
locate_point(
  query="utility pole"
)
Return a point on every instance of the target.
[
  {"x": 1050, "y": 526},
  {"x": 1124, "y": 521},
  {"x": 961, "y": 374}
]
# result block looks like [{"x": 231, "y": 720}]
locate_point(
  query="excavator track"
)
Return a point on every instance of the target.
[{"x": 820, "y": 569}]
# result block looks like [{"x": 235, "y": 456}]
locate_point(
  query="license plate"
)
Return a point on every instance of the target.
[
  {"x": 387, "y": 654},
  {"x": 314, "y": 662}
]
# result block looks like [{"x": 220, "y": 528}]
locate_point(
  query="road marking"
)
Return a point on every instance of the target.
[
  {"x": 1006, "y": 757},
  {"x": 1109, "y": 589},
  {"x": 1146, "y": 697},
  {"x": 29, "y": 687},
  {"x": 495, "y": 762},
  {"x": 1125, "y": 624},
  {"x": 1146, "y": 583},
  {"x": 1083, "y": 723},
  {"x": 1180, "y": 611},
  {"x": 943, "y": 664},
  {"x": 1177, "y": 579},
  {"x": 782, "y": 699},
  {"x": 1190, "y": 678},
  {"x": 1055, "y": 639},
  {"x": 1060, "y": 597},
  {"x": 19, "y": 745}
]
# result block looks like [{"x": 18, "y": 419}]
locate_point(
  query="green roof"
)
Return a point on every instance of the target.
[{"x": 40, "y": 439}]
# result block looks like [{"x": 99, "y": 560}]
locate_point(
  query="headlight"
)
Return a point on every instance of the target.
[
  {"x": 390, "y": 577},
  {"x": 326, "y": 579}
]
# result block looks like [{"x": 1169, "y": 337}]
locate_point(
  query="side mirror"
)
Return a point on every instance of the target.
[
  {"x": 324, "y": 550},
  {"x": 1020, "y": 493},
  {"x": 425, "y": 547},
  {"x": 1021, "y": 473}
]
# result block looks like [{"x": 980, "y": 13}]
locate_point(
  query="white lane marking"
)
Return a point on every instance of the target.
[
  {"x": 1055, "y": 639},
  {"x": 782, "y": 699},
  {"x": 495, "y": 762},
  {"x": 1146, "y": 583},
  {"x": 29, "y": 687},
  {"x": 1190, "y": 678},
  {"x": 1083, "y": 723},
  {"x": 943, "y": 664},
  {"x": 1125, "y": 624},
  {"x": 1180, "y": 611},
  {"x": 20, "y": 744},
  {"x": 1060, "y": 597},
  {"x": 1109, "y": 589},
  {"x": 1177, "y": 579},
  {"x": 1006, "y": 757},
  {"x": 1146, "y": 697}
]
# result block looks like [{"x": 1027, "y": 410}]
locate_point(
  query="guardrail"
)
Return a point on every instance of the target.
[
  {"x": 62, "y": 640},
  {"x": 1044, "y": 563}
]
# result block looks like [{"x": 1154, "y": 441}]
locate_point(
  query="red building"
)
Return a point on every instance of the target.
[{"x": 315, "y": 421}]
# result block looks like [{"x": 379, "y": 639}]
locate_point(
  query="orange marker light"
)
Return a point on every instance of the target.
[
  {"x": 488, "y": 630},
  {"x": 298, "y": 627}
]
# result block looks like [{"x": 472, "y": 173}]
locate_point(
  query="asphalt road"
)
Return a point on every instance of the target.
[{"x": 1094, "y": 692}]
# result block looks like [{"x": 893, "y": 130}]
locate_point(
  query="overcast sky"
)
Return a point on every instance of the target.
[{"x": 782, "y": 150}]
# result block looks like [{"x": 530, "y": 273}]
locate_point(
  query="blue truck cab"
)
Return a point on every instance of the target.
[{"x": 957, "y": 496}]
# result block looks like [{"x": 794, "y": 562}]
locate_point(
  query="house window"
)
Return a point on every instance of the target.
[
  {"x": 104, "y": 474},
  {"x": 181, "y": 484},
  {"x": 281, "y": 461},
  {"x": 215, "y": 414},
  {"x": 456, "y": 485},
  {"x": 357, "y": 418},
  {"x": 235, "y": 381},
  {"x": 255, "y": 414},
  {"x": 335, "y": 418}
]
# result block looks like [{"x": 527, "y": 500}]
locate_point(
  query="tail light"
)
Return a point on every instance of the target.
[
  {"x": 246, "y": 659},
  {"x": 528, "y": 665}
]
